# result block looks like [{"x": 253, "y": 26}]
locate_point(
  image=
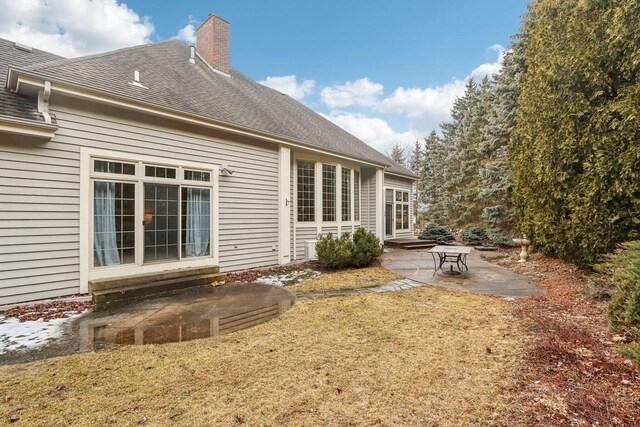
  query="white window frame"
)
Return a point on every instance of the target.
[
  {"x": 319, "y": 224},
  {"x": 315, "y": 190},
  {"x": 395, "y": 202},
  {"x": 88, "y": 175}
]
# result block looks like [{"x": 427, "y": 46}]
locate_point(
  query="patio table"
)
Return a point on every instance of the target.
[{"x": 457, "y": 254}]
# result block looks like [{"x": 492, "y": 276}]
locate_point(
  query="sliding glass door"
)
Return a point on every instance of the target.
[
  {"x": 148, "y": 213},
  {"x": 160, "y": 222}
]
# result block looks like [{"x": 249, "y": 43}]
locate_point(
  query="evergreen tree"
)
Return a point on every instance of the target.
[
  {"x": 495, "y": 172},
  {"x": 415, "y": 158},
  {"x": 397, "y": 154},
  {"x": 575, "y": 149}
]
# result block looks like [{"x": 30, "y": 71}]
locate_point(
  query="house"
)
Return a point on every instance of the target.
[{"x": 160, "y": 159}]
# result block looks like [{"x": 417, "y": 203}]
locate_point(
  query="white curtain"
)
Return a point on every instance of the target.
[
  {"x": 104, "y": 235},
  {"x": 198, "y": 220}
]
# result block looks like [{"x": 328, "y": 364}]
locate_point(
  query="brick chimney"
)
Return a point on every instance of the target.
[{"x": 212, "y": 43}]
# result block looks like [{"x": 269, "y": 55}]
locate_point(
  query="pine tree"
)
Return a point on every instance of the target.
[
  {"x": 397, "y": 154},
  {"x": 415, "y": 158}
]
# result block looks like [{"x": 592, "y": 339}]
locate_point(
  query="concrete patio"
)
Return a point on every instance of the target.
[{"x": 482, "y": 277}]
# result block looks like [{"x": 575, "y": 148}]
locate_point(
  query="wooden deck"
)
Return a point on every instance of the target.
[{"x": 409, "y": 243}]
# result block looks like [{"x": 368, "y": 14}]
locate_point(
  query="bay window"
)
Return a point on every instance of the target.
[{"x": 337, "y": 199}]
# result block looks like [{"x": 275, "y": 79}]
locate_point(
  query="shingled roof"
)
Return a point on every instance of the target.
[
  {"x": 11, "y": 104},
  {"x": 171, "y": 81}
]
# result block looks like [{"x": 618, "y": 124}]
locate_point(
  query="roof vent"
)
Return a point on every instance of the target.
[
  {"x": 136, "y": 80},
  {"x": 23, "y": 47},
  {"x": 192, "y": 57}
]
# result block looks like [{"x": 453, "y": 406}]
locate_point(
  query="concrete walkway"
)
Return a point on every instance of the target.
[{"x": 482, "y": 277}]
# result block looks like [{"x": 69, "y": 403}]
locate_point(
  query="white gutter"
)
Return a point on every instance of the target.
[{"x": 27, "y": 127}]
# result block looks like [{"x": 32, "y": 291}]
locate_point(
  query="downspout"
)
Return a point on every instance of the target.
[{"x": 43, "y": 101}]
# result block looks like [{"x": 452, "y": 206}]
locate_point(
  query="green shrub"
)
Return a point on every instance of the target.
[
  {"x": 632, "y": 351},
  {"x": 475, "y": 235},
  {"x": 436, "y": 232},
  {"x": 623, "y": 266},
  {"x": 343, "y": 252},
  {"x": 499, "y": 239},
  {"x": 367, "y": 247},
  {"x": 333, "y": 252}
]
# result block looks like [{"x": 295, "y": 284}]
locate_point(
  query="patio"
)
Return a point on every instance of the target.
[{"x": 482, "y": 276}]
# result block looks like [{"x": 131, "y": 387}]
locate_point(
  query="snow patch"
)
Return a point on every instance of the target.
[
  {"x": 288, "y": 279},
  {"x": 17, "y": 335}
]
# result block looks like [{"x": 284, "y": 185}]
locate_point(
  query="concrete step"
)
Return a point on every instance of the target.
[
  {"x": 410, "y": 243},
  {"x": 140, "y": 279},
  {"x": 418, "y": 246},
  {"x": 118, "y": 296}
]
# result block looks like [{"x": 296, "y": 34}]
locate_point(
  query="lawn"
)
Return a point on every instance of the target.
[
  {"x": 420, "y": 357},
  {"x": 350, "y": 278}
]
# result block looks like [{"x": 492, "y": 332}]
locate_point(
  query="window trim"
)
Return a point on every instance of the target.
[
  {"x": 88, "y": 176},
  {"x": 400, "y": 202},
  {"x": 336, "y": 196},
  {"x": 314, "y": 214},
  {"x": 338, "y": 163}
]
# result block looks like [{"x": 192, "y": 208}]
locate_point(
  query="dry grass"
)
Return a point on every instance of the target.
[
  {"x": 347, "y": 279},
  {"x": 421, "y": 357}
]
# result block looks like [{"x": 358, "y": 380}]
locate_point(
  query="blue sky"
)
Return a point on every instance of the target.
[{"x": 386, "y": 71}]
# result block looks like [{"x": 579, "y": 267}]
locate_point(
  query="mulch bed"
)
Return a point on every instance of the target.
[
  {"x": 572, "y": 373},
  {"x": 48, "y": 311}
]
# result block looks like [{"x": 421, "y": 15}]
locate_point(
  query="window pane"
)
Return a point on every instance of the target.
[
  {"x": 398, "y": 196},
  {"x": 405, "y": 217},
  {"x": 197, "y": 176},
  {"x": 160, "y": 172},
  {"x": 405, "y": 196},
  {"x": 306, "y": 191},
  {"x": 113, "y": 227},
  {"x": 119, "y": 168},
  {"x": 388, "y": 195},
  {"x": 346, "y": 194},
  {"x": 398, "y": 217},
  {"x": 196, "y": 219},
  {"x": 328, "y": 193},
  {"x": 160, "y": 218},
  {"x": 356, "y": 196}
]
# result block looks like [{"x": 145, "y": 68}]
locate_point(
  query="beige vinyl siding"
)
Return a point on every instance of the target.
[
  {"x": 368, "y": 203},
  {"x": 399, "y": 183},
  {"x": 334, "y": 230},
  {"x": 39, "y": 195}
]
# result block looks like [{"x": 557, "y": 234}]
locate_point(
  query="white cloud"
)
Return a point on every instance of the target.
[
  {"x": 425, "y": 107},
  {"x": 187, "y": 33},
  {"x": 428, "y": 107},
  {"x": 73, "y": 27},
  {"x": 289, "y": 85},
  {"x": 373, "y": 130},
  {"x": 361, "y": 92},
  {"x": 489, "y": 68}
]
